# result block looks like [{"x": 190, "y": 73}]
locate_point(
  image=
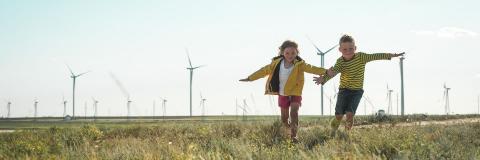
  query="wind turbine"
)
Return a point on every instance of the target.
[
  {"x": 335, "y": 94},
  {"x": 244, "y": 108},
  {"x": 446, "y": 98},
  {"x": 153, "y": 115},
  {"x": 191, "y": 68},
  {"x": 202, "y": 105},
  {"x": 164, "y": 106},
  {"x": 236, "y": 109},
  {"x": 124, "y": 91},
  {"x": 397, "y": 102},
  {"x": 74, "y": 77},
  {"x": 95, "y": 107},
  {"x": 35, "y": 106},
  {"x": 389, "y": 96},
  {"x": 64, "y": 106},
  {"x": 85, "y": 110},
  {"x": 330, "y": 103},
  {"x": 322, "y": 64},
  {"x": 8, "y": 107},
  {"x": 369, "y": 102},
  {"x": 365, "y": 107}
]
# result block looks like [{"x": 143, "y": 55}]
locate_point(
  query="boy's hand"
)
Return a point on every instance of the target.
[
  {"x": 398, "y": 54},
  {"x": 331, "y": 72},
  {"x": 244, "y": 80},
  {"x": 318, "y": 80}
]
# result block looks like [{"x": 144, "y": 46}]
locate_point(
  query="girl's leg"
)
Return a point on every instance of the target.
[
  {"x": 284, "y": 116},
  {"x": 294, "y": 117}
]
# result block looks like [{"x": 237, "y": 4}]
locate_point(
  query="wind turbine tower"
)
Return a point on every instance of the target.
[
  {"x": 402, "y": 95},
  {"x": 447, "y": 99}
]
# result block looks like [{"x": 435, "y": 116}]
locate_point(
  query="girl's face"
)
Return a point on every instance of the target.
[{"x": 290, "y": 53}]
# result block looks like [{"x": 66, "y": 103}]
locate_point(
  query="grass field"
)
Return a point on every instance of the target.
[{"x": 258, "y": 137}]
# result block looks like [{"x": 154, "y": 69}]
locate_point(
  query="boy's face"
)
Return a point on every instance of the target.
[
  {"x": 348, "y": 49},
  {"x": 290, "y": 53}
]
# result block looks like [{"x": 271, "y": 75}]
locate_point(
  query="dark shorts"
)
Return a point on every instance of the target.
[
  {"x": 347, "y": 101},
  {"x": 284, "y": 101}
]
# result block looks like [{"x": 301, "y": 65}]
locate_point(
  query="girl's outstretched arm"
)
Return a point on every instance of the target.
[
  {"x": 313, "y": 69},
  {"x": 262, "y": 72}
]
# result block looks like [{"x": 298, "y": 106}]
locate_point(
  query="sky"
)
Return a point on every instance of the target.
[{"x": 143, "y": 44}]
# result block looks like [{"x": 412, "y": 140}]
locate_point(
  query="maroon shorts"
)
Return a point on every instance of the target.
[{"x": 284, "y": 101}]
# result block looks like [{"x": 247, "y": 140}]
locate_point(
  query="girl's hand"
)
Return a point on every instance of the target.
[
  {"x": 244, "y": 80},
  {"x": 318, "y": 80}
]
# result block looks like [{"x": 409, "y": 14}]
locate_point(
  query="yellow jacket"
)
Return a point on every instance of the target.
[{"x": 294, "y": 84}]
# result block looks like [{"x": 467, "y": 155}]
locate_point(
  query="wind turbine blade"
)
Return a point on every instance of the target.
[
  {"x": 188, "y": 56},
  {"x": 331, "y": 49},
  {"x": 70, "y": 69},
  {"x": 120, "y": 85},
  {"x": 318, "y": 50},
  {"x": 199, "y": 66},
  {"x": 83, "y": 73}
]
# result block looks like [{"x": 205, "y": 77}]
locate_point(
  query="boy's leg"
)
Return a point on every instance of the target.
[
  {"x": 349, "y": 124},
  {"x": 353, "y": 105},
  {"x": 339, "y": 109}
]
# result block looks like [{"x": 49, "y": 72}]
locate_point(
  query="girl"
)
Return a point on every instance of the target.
[{"x": 286, "y": 79}]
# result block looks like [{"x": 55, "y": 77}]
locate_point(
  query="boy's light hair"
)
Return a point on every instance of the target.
[{"x": 346, "y": 38}]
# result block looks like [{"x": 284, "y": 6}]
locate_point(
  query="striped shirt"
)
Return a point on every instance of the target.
[{"x": 352, "y": 71}]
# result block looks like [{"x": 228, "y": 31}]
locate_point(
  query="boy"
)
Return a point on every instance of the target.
[{"x": 351, "y": 65}]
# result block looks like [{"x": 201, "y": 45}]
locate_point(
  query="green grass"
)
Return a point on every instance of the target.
[{"x": 256, "y": 139}]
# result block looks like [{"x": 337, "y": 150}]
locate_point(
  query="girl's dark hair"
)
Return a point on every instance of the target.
[
  {"x": 286, "y": 44},
  {"x": 346, "y": 38}
]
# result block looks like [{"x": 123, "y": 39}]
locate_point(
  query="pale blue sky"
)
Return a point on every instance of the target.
[{"x": 143, "y": 42}]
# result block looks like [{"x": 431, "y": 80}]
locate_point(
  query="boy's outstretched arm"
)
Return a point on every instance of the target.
[
  {"x": 262, "y": 72},
  {"x": 380, "y": 56}
]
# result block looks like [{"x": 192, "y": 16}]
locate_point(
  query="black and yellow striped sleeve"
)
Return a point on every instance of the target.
[
  {"x": 375, "y": 56},
  {"x": 337, "y": 68}
]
